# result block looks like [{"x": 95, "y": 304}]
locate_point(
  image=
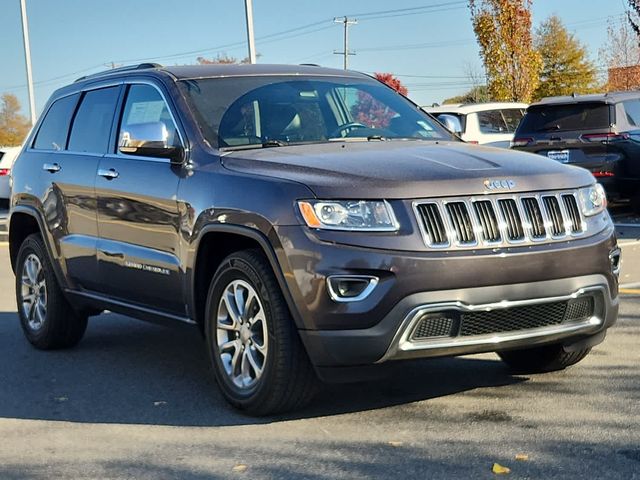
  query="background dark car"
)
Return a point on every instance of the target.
[{"x": 599, "y": 132}]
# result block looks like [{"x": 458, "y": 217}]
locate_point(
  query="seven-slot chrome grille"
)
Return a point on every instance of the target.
[{"x": 499, "y": 220}]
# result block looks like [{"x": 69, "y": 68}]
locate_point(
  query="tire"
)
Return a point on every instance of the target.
[
  {"x": 542, "y": 359},
  {"x": 48, "y": 320},
  {"x": 272, "y": 372}
]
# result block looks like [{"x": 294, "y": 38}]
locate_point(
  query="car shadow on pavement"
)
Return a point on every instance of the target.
[{"x": 126, "y": 371}]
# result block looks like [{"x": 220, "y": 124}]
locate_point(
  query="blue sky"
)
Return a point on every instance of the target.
[{"x": 430, "y": 49}]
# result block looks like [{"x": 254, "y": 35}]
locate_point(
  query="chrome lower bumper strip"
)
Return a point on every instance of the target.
[{"x": 403, "y": 347}]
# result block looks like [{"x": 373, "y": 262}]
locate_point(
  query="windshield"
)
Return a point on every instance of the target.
[{"x": 251, "y": 112}]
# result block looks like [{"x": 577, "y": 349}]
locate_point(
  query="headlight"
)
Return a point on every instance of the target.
[
  {"x": 593, "y": 200},
  {"x": 368, "y": 215}
]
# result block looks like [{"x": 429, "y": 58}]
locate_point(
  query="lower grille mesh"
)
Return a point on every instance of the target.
[
  {"x": 511, "y": 319},
  {"x": 434, "y": 326}
]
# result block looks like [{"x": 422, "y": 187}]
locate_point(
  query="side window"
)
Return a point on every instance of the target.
[
  {"x": 491, "y": 122},
  {"x": 54, "y": 128},
  {"x": 512, "y": 117},
  {"x": 632, "y": 109},
  {"x": 146, "y": 120},
  {"x": 92, "y": 123}
]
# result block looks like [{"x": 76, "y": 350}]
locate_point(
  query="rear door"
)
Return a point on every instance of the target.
[
  {"x": 138, "y": 252},
  {"x": 61, "y": 163}
]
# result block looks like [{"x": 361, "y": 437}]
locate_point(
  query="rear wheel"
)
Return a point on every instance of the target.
[
  {"x": 542, "y": 359},
  {"x": 257, "y": 356},
  {"x": 47, "y": 319}
]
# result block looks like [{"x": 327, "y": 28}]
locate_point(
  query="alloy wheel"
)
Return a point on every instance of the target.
[{"x": 242, "y": 334}]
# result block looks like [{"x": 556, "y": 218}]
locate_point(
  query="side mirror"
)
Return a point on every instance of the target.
[
  {"x": 150, "y": 139},
  {"x": 451, "y": 123}
]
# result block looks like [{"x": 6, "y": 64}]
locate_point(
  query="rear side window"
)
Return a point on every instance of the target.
[
  {"x": 54, "y": 128},
  {"x": 499, "y": 121},
  {"x": 632, "y": 109},
  {"x": 580, "y": 116},
  {"x": 92, "y": 123}
]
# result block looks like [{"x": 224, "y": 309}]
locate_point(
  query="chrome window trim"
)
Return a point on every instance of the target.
[
  {"x": 402, "y": 342},
  {"x": 107, "y": 84},
  {"x": 527, "y": 227}
]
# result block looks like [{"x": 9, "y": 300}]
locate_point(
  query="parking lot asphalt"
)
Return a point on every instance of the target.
[{"x": 134, "y": 400}]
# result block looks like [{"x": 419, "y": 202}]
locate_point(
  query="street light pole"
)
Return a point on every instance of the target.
[
  {"x": 248, "y": 8},
  {"x": 27, "y": 61}
]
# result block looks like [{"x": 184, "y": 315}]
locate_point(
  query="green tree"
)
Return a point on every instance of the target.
[
  {"x": 566, "y": 68},
  {"x": 13, "y": 126},
  {"x": 512, "y": 64},
  {"x": 477, "y": 94}
]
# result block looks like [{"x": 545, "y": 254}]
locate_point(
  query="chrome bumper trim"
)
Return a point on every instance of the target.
[{"x": 403, "y": 347}]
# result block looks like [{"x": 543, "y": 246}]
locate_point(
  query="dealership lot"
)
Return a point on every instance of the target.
[{"x": 136, "y": 400}]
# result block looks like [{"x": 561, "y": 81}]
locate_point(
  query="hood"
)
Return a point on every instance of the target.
[{"x": 403, "y": 170}]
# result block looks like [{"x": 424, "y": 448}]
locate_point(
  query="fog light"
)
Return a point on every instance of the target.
[
  {"x": 615, "y": 257},
  {"x": 350, "y": 288}
]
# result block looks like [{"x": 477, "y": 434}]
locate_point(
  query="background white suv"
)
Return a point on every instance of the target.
[
  {"x": 7, "y": 157},
  {"x": 484, "y": 123}
]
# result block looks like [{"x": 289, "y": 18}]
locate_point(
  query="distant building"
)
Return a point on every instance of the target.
[{"x": 624, "y": 78}]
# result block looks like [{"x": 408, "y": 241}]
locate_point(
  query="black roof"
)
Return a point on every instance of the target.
[
  {"x": 224, "y": 70},
  {"x": 609, "y": 97}
]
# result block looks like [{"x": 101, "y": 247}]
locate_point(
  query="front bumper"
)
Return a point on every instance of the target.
[
  {"x": 390, "y": 339},
  {"x": 374, "y": 330}
]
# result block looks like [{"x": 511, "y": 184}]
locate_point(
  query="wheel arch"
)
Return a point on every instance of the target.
[
  {"x": 213, "y": 244},
  {"x": 23, "y": 222}
]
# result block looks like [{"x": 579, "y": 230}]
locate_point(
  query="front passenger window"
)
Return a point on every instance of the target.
[{"x": 146, "y": 121}]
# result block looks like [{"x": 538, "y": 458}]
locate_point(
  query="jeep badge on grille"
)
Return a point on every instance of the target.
[{"x": 499, "y": 184}]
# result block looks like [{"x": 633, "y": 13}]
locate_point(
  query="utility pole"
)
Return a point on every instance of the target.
[
  {"x": 248, "y": 9},
  {"x": 345, "y": 51},
  {"x": 27, "y": 61}
]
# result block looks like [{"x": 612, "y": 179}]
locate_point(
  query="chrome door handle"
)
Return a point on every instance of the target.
[
  {"x": 51, "y": 167},
  {"x": 108, "y": 174}
]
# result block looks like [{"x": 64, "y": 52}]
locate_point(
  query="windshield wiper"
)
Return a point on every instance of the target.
[
  {"x": 549, "y": 128},
  {"x": 273, "y": 143}
]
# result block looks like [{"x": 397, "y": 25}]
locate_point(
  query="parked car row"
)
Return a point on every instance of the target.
[{"x": 599, "y": 132}]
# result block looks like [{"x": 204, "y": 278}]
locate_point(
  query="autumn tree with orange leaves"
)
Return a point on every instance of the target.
[
  {"x": 512, "y": 64},
  {"x": 369, "y": 111}
]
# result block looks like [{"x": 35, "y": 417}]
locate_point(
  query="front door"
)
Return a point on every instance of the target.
[{"x": 138, "y": 218}]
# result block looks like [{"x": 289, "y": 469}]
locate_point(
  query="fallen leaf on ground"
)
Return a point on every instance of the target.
[
  {"x": 239, "y": 468},
  {"x": 395, "y": 443},
  {"x": 499, "y": 469},
  {"x": 157, "y": 404},
  {"x": 523, "y": 457}
]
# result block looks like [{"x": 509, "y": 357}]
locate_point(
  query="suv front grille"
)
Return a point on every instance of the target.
[
  {"x": 499, "y": 220},
  {"x": 465, "y": 324}
]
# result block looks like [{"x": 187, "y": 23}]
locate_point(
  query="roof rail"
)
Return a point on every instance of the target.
[
  {"x": 141, "y": 66},
  {"x": 309, "y": 65}
]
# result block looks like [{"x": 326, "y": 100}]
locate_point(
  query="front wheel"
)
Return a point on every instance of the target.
[
  {"x": 542, "y": 359},
  {"x": 258, "y": 359}
]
